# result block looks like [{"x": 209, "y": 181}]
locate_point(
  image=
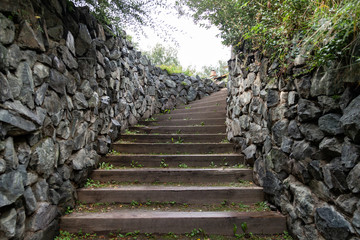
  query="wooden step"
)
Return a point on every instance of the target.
[
  {"x": 174, "y": 175},
  {"x": 172, "y": 138},
  {"x": 198, "y": 160},
  {"x": 180, "y": 129},
  {"x": 207, "y": 108},
  {"x": 179, "y": 194},
  {"x": 163, "y": 222},
  {"x": 197, "y": 115},
  {"x": 168, "y": 148},
  {"x": 185, "y": 122}
]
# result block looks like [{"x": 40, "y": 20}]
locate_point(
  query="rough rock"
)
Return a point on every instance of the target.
[
  {"x": 331, "y": 147},
  {"x": 350, "y": 155},
  {"x": 330, "y": 124},
  {"x": 44, "y": 156},
  {"x": 30, "y": 201},
  {"x": 331, "y": 224},
  {"x": 279, "y": 130},
  {"x": 5, "y": 90},
  {"x": 10, "y": 155},
  {"x": 81, "y": 160},
  {"x": 42, "y": 217},
  {"x": 307, "y": 110},
  {"x": 293, "y": 130},
  {"x": 7, "y": 30},
  {"x": 350, "y": 121},
  {"x": 302, "y": 150},
  {"x": 28, "y": 39},
  {"x": 353, "y": 179},
  {"x": 347, "y": 203},
  {"x": 278, "y": 161},
  {"x": 8, "y": 223},
  {"x": 83, "y": 41},
  {"x": 311, "y": 132},
  {"x": 11, "y": 187}
]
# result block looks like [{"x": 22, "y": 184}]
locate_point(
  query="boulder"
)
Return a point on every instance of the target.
[
  {"x": 28, "y": 39},
  {"x": 11, "y": 187},
  {"x": 44, "y": 157},
  {"x": 7, "y": 30},
  {"x": 8, "y": 223},
  {"x": 353, "y": 179},
  {"x": 330, "y": 124},
  {"x": 307, "y": 110},
  {"x": 331, "y": 224}
]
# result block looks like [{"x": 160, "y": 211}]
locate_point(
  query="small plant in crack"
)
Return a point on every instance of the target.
[
  {"x": 163, "y": 164},
  {"x": 106, "y": 166},
  {"x": 136, "y": 164},
  {"x": 183, "y": 165}
]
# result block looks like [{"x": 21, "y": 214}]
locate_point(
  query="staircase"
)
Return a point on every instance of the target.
[{"x": 172, "y": 175}]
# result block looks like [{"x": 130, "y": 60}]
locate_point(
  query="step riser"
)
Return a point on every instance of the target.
[
  {"x": 212, "y": 101},
  {"x": 193, "y": 196},
  {"x": 215, "y": 138},
  {"x": 262, "y": 223},
  {"x": 182, "y": 122},
  {"x": 148, "y": 176},
  {"x": 182, "y": 129},
  {"x": 200, "y": 109},
  {"x": 173, "y": 148},
  {"x": 200, "y": 115},
  {"x": 174, "y": 160}
]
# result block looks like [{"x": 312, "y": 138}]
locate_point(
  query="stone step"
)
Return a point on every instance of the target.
[
  {"x": 179, "y": 194},
  {"x": 163, "y": 222},
  {"x": 196, "y": 115},
  {"x": 168, "y": 148},
  {"x": 180, "y": 129},
  {"x": 204, "y": 160},
  {"x": 205, "y": 108},
  {"x": 185, "y": 122},
  {"x": 173, "y": 175},
  {"x": 173, "y": 138}
]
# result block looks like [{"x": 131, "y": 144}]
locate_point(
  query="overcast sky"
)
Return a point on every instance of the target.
[{"x": 197, "y": 47}]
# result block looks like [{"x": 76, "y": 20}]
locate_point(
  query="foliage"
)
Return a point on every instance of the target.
[
  {"x": 162, "y": 55},
  {"x": 130, "y": 14},
  {"x": 320, "y": 30},
  {"x": 220, "y": 69}
]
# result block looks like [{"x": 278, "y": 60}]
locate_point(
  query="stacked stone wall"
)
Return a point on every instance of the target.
[
  {"x": 68, "y": 87},
  {"x": 302, "y": 136}
]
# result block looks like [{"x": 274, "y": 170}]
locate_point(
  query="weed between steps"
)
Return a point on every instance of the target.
[{"x": 195, "y": 234}]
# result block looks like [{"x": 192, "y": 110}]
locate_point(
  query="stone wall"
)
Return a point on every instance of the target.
[
  {"x": 302, "y": 135},
  {"x": 68, "y": 87}
]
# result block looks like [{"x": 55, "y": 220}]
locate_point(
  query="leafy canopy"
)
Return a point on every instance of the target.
[{"x": 321, "y": 30}]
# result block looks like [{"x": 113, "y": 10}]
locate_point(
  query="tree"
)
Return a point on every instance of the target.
[
  {"x": 161, "y": 55},
  {"x": 220, "y": 69},
  {"x": 129, "y": 14}
]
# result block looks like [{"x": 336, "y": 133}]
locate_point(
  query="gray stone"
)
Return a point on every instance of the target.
[
  {"x": 10, "y": 156},
  {"x": 44, "y": 157},
  {"x": 80, "y": 136},
  {"x": 22, "y": 110},
  {"x": 41, "y": 190},
  {"x": 31, "y": 178},
  {"x": 57, "y": 82},
  {"x": 24, "y": 73},
  {"x": 15, "y": 84},
  {"x": 3, "y": 57},
  {"x": 300, "y": 171},
  {"x": 353, "y": 179},
  {"x": 307, "y": 110},
  {"x": 192, "y": 93},
  {"x": 311, "y": 132},
  {"x": 56, "y": 32},
  {"x": 347, "y": 203},
  {"x": 356, "y": 221},
  {"x": 169, "y": 83},
  {"x": 278, "y": 161},
  {"x": 43, "y": 216},
  {"x": 30, "y": 200},
  {"x": 41, "y": 72},
  {"x": 303, "y": 86},
  {"x": 271, "y": 184},
  {"x": 335, "y": 176},
  {"x": 328, "y": 104},
  {"x": 350, "y": 155},
  {"x": 11, "y": 187},
  {"x": 272, "y": 98},
  {"x": 28, "y": 39},
  {"x": 315, "y": 169},
  {"x": 70, "y": 43},
  {"x": 235, "y": 127},
  {"x": 330, "y": 124},
  {"x": 7, "y": 30},
  {"x": 40, "y": 94},
  {"x": 14, "y": 55},
  {"x": 293, "y": 130},
  {"x": 325, "y": 82},
  {"x": 83, "y": 41},
  {"x": 5, "y": 89},
  {"x": 302, "y": 150},
  {"x": 250, "y": 152},
  {"x": 68, "y": 59},
  {"x": 17, "y": 124},
  {"x": 20, "y": 223},
  {"x": 245, "y": 98},
  {"x": 8, "y": 223},
  {"x": 331, "y": 224},
  {"x": 87, "y": 91},
  {"x": 80, "y": 101},
  {"x": 350, "y": 121},
  {"x": 51, "y": 103},
  {"x": 245, "y": 122},
  {"x": 320, "y": 190},
  {"x": 2, "y": 165},
  {"x": 303, "y": 200},
  {"x": 286, "y": 144},
  {"x": 279, "y": 130},
  {"x": 82, "y": 160},
  {"x": 331, "y": 147}
]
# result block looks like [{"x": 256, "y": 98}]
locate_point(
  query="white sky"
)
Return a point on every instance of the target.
[{"x": 198, "y": 46}]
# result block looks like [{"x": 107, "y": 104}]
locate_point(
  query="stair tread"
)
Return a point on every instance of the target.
[
  {"x": 176, "y": 170},
  {"x": 167, "y": 188}
]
